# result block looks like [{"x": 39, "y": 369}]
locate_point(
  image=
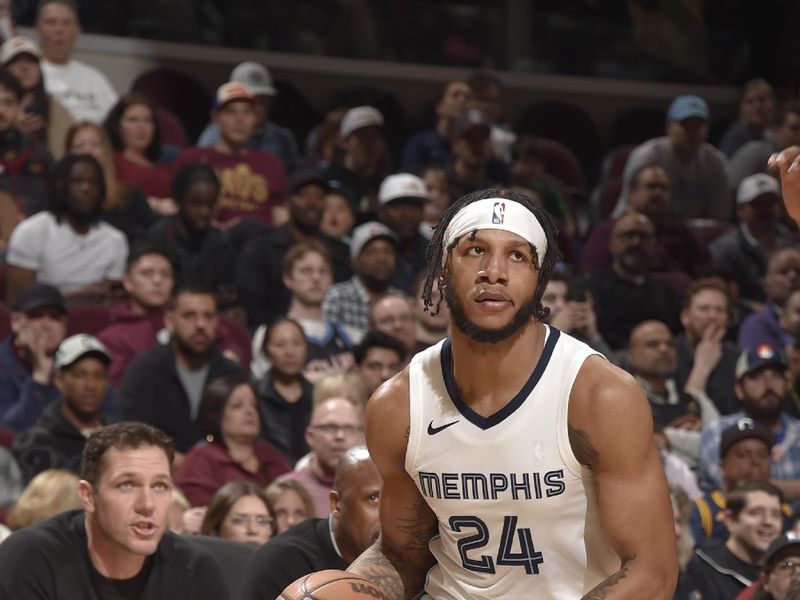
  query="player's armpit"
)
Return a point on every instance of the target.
[
  {"x": 399, "y": 561},
  {"x": 613, "y": 417}
]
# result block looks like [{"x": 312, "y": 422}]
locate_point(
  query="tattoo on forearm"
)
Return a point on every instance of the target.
[
  {"x": 602, "y": 589},
  {"x": 373, "y": 565},
  {"x": 582, "y": 446},
  {"x": 401, "y": 571}
]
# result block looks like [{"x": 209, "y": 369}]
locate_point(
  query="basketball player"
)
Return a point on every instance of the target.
[{"x": 516, "y": 461}]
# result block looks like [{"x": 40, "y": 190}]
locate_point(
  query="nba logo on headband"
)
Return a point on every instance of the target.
[{"x": 498, "y": 213}]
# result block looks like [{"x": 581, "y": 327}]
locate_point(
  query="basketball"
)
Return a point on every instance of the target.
[{"x": 332, "y": 585}]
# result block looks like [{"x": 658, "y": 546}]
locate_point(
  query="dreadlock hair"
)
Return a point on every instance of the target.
[
  {"x": 59, "y": 191},
  {"x": 436, "y": 246}
]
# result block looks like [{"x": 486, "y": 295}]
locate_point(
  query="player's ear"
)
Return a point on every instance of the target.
[
  {"x": 336, "y": 502},
  {"x": 86, "y": 495}
]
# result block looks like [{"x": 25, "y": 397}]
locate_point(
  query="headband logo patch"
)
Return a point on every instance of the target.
[{"x": 498, "y": 213}]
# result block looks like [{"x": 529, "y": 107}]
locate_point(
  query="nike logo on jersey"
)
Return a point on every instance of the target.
[{"x": 434, "y": 430}]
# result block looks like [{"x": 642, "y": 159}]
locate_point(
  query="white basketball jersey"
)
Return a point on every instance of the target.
[{"x": 517, "y": 512}]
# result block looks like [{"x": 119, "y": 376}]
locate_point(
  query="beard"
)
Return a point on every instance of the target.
[
  {"x": 765, "y": 414},
  {"x": 634, "y": 263},
  {"x": 485, "y": 335},
  {"x": 374, "y": 284},
  {"x": 190, "y": 351}
]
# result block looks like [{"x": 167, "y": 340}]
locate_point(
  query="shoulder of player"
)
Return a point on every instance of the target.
[
  {"x": 387, "y": 420},
  {"x": 603, "y": 392}
]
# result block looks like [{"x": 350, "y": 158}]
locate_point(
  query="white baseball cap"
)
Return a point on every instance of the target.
[
  {"x": 402, "y": 185},
  {"x": 17, "y": 45},
  {"x": 364, "y": 234},
  {"x": 256, "y": 76},
  {"x": 757, "y": 185},
  {"x": 78, "y": 346},
  {"x": 358, "y": 118}
]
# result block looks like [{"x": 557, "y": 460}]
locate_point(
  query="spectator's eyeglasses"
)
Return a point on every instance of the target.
[
  {"x": 246, "y": 521},
  {"x": 331, "y": 429},
  {"x": 790, "y": 564}
]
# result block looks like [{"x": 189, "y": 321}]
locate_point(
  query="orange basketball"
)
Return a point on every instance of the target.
[{"x": 332, "y": 585}]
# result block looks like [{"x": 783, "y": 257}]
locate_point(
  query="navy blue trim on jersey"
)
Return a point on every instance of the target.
[{"x": 516, "y": 401}]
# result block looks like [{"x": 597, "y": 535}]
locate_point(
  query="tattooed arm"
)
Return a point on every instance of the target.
[
  {"x": 400, "y": 559},
  {"x": 611, "y": 432}
]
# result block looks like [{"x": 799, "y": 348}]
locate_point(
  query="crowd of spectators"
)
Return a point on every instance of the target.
[{"x": 247, "y": 300}]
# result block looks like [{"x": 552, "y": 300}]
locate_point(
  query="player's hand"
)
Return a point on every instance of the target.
[{"x": 787, "y": 163}]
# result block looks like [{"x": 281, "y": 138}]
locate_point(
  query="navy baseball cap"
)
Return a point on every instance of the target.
[
  {"x": 38, "y": 295},
  {"x": 752, "y": 359},
  {"x": 779, "y": 543},
  {"x": 745, "y": 428}
]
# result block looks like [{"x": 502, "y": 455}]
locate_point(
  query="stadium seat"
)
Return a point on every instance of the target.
[
  {"x": 569, "y": 124},
  {"x": 5, "y": 321},
  {"x": 563, "y": 164},
  {"x": 636, "y": 126},
  {"x": 614, "y": 162},
  {"x": 604, "y": 198},
  {"x": 239, "y": 338}
]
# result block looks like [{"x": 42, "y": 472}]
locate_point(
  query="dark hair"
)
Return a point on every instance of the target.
[
  {"x": 273, "y": 325},
  {"x": 215, "y": 398},
  {"x": 299, "y": 250},
  {"x": 190, "y": 174},
  {"x": 192, "y": 288},
  {"x": 69, "y": 3},
  {"x": 436, "y": 246},
  {"x": 223, "y": 501},
  {"x": 114, "y": 118},
  {"x": 142, "y": 248},
  {"x": 60, "y": 185},
  {"x": 378, "y": 339},
  {"x": 11, "y": 83},
  {"x": 633, "y": 180},
  {"x": 736, "y": 499},
  {"x": 124, "y": 435}
]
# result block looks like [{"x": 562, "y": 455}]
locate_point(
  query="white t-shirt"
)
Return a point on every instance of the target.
[
  {"x": 64, "y": 258},
  {"x": 83, "y": 90}
]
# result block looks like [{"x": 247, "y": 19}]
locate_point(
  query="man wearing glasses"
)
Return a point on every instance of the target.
[
  {"x": 781, "y": 565},
  {"x": 337, "y": 424}
]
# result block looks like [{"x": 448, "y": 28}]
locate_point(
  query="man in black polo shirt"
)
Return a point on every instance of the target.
[
  {"x": 318, "y": 544},
  {"x": 118, "y": 546}
]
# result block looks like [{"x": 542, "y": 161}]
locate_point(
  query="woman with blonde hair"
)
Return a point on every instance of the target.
[
  {"x": 49, "y": 493},
  {"x": 291, "y": 504}
]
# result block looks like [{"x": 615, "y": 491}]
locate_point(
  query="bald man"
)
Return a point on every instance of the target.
[
  {"x": 627, "y": 293},
  {"x": 318, "y": 544}
]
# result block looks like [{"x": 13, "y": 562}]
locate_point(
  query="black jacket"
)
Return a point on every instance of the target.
[
  {"x": 303, "y": 549},
  {"x": 152, "y": 392},
  {"x": 716, "y": 574},
  {"x": 52, "y": 443},
  {"x": 283, "y": 423},
  {"x": 720, "y": 382}
]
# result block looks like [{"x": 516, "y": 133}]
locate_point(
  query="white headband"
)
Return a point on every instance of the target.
[{"x": 497, "y": 213}]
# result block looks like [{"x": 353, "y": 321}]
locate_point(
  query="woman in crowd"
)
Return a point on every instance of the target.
[
  {"x": 42, "y": 116},
  {"x": 284, "y": 393},
  {"x": 229, "y": 420},
  {"x": 51, "y": 492},
  {"x": 291, "y": 504},
  {"x": 123, "y": 207},
  {"x": 135, "y": 136},
  {"x": 239, "y": 512}
]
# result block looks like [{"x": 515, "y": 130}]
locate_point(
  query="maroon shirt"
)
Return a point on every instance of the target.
[
  {"x": 153, "y": 181},
  {"x": 207, "y": 468},
  {"x": 253, "y": 182}
]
